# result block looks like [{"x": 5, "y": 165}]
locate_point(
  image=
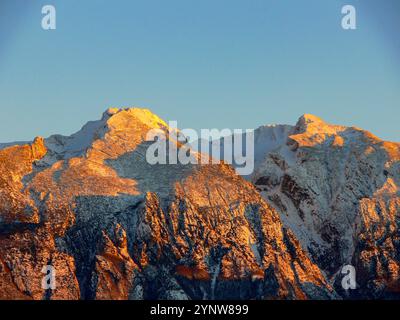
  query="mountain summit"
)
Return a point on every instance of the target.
[
  {"x": 337, "y": 189},
  {"x": 114, "y": 227}
]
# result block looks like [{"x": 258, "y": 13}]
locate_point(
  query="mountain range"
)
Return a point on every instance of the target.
[{"x": 113, "y": 226}]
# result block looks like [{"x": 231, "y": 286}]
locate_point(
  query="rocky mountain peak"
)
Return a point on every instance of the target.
[
  {"x": 337, "y": 189},
  {"x": 115, "y": 227},
  {"x": 118, "y": 131},
  {"x": 311, "y": 130},
  {"x": 125, "y": 118},
  {"x": 309, "y": 119}
]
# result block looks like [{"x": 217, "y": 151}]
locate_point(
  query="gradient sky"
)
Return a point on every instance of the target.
[{"x": 204, "y": 63}]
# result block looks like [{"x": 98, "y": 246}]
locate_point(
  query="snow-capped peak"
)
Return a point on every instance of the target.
[{"x": 114, "y": 122}]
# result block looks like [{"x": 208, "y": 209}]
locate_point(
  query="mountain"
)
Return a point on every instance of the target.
[
  {"x": 337, "y": 189},
  {"x": 115, "y": 227}
]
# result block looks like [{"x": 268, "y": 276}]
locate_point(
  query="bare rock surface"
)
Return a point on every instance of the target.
[
  {"x": 337, "y": 189},
  {"x": 115, "y": 227}
]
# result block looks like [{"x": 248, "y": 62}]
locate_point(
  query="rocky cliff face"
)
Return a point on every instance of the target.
[
  {"x": 115, "y": 227},
  {"x": 337, "y": 189}
]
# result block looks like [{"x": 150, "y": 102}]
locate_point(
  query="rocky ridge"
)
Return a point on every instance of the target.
[
  {"x": 337, "y": 189},
  {"x": 115, "y": 227}
]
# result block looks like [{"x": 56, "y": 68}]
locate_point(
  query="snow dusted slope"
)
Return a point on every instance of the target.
[
  {"x": 267, "y": 139},
  {"x": 115, "y": 227},
  {"x": 337, "y": 189}
]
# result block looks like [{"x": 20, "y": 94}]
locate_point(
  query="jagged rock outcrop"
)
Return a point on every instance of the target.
[
  {"x": 337, "y": 189},
  {"x": 115, "y": 227}
]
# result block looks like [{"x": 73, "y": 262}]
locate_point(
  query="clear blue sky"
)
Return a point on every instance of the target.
[{"x": 205, "y": 63}]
